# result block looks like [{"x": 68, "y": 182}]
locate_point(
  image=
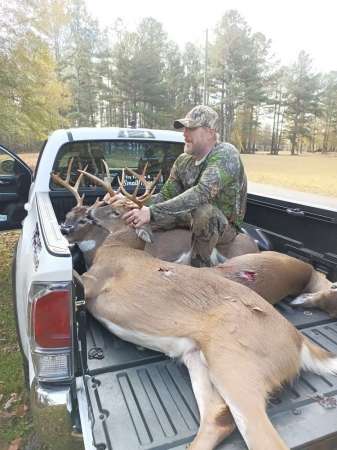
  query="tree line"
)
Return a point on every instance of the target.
[{"x": 59, "y": 69}]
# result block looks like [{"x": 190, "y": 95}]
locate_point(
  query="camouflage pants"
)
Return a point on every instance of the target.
[{"x": 210, "y": 228}]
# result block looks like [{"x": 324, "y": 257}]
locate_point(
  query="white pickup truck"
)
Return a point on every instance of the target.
[{"x": 88, "y": 388}]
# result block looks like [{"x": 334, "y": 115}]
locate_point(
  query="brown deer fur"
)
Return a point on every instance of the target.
[
  {"x": 272, "y": 275},
  {"x": 224, "y": 332}
]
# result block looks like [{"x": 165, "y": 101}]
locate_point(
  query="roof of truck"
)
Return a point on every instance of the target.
[{"x": 91, "y": 133}]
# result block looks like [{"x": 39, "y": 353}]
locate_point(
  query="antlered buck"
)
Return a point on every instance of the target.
[
  {"x": 223, "y": 331},
  {"x": 171, "y": 245}
]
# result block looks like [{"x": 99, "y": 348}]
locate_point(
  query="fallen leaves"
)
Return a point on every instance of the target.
[
  {"x": 12, "y": 399},
  {"x": 8, "y": 411},
  {"x": 21, "y": 410}
]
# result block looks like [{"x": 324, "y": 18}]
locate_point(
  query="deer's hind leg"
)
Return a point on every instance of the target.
[
  {"x": 216, "y": 421},
  {"x": 245, "y": 396}
]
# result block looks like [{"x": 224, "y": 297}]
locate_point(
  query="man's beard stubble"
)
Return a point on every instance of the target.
[{"x": 188, "y": 148}]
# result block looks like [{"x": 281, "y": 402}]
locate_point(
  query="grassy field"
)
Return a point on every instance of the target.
[
  {"x": 314, "y": 173},
  {"x": 15, "y": 421},
  {"x": 308, "y": 173}
]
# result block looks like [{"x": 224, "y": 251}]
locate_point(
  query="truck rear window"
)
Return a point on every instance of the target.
[{"x": 118, "y": 155}]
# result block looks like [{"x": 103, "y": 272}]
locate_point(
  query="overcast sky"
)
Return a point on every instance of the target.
[{"x": 292, "y": 25}]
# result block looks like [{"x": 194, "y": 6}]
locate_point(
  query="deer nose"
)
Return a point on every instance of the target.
[{"x": 66, "y": 229}]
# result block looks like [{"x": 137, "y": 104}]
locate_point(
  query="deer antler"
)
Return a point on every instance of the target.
[
  {"x": 105, "y": 184},
  {"x": 149, "y": 186},
  {"x": 66, "y": 183}
]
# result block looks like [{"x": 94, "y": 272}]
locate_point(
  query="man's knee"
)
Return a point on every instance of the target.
[{"x": 208, "y": 220}]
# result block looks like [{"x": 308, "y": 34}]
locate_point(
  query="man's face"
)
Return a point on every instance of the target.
[{"x": 197, "y": 140}]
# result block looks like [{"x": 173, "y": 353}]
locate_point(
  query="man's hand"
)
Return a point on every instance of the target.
[{"x": 137, "y": 217}]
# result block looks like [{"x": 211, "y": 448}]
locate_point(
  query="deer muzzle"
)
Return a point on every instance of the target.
[{"x": 66, "y": 229}]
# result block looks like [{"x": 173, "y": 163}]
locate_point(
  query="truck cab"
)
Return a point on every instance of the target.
[{"x": 90, "y": 389}]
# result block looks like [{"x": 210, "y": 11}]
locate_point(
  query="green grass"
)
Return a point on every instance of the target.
[
  {"x": 307, "y": 173},
  {"x": 15, "y": 422}
]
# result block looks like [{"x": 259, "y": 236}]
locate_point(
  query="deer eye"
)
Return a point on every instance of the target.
[
  {"x": 82, "y": 221},
  {"x": 115, "y": 213}
]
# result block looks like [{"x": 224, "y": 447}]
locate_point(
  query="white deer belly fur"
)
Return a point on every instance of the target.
[{"x": 174, "y": 347}]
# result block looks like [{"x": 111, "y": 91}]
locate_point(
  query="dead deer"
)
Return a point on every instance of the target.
[
  {"x": 222, "y": 331},
  {"x": 171, "y": 245},
  {"x": 275, "y": 276}
]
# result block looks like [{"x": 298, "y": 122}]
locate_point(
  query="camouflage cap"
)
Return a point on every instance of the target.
[{"x": 199, "y": 116}]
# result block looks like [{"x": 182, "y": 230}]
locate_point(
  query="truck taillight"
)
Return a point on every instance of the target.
[
  {"x": 51, "y": 320},
  {"x": 51, "y": 330}
]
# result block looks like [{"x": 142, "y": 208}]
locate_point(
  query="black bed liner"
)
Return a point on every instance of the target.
[{"x": 141, "y": 400}]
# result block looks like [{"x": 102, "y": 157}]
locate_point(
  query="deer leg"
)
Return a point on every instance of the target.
[
  {"x": 325, "y": 300},
  {"x": 247, "y": 405},
  {"x": 91, "y": 287},
  {"x": 307, "y": 299},
  {"x": 216, "y": 421}
]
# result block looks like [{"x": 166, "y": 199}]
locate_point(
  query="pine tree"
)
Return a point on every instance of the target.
[{"x": 302, "y": 90}]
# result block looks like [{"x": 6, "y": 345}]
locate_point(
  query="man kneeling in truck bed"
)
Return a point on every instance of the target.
[{"x": 207, "y": 188}]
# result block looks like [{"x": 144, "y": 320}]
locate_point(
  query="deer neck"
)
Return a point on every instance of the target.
[
  {"x": 126, "y": 238},
  {"x": 91, "y": 243}
]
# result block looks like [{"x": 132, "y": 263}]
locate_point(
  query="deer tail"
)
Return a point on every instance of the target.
[{"x": 317, "y": 360}]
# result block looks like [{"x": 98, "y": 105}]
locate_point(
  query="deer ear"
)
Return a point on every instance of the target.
[{"x": 145, "y": 234}]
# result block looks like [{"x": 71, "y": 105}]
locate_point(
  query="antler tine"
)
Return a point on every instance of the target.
[
  {"x": 109, "y": 178},
  {"x": 133, "y": 196},
  {"x": 70, "y": 188},
  {"x": 79, "y": 179},
  {"x": 107, "y": 186},
  {"x": 66, "y": 183},
  {"x": 106, "y": 170},
  {"x": 141, "y": 177},
  {"x": 97, "y": 204},
  {"x": 149, "y": 186},
  {"x": 70, "y": 164}
]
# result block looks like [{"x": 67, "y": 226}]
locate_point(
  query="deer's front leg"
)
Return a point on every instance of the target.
[
  {"x": 91, "y": 285},
  {"x": 325, "y": 300},
  {"x": 216, "y": 421}
]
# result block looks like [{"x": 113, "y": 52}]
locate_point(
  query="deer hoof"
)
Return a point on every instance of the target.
[{"x": 303, "y": 299}]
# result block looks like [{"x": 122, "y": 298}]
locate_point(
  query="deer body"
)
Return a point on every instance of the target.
[
  {"x": 223, "y": 331},
  {"x": 272, "y": 275},
  {"x": 220, "y": 329},
  {"x": 175, "y": 246},
  {"x": 275, "y": 276}
]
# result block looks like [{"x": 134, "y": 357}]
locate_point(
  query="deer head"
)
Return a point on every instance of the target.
[
  {"x": 78, "y": 227},
  {"x": 110, "y": 217}
]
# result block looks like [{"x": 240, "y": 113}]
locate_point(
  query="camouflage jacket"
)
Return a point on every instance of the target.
[{"x": 219, "y": 179}]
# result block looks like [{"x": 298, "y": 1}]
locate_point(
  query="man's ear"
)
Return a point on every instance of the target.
[{"x": 145, "y": 234}]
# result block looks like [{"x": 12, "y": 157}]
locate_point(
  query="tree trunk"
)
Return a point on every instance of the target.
[{"x": 273, "y": 137}]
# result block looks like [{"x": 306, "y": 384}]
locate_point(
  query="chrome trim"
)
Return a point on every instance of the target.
[
  {"x": 84, "y": 415},
  {"x": 51, "y": 408},
  {"x": 55, "y": 242}
]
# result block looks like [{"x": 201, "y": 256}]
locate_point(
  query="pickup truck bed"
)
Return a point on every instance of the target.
[{"x": 138, "y": 399}]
